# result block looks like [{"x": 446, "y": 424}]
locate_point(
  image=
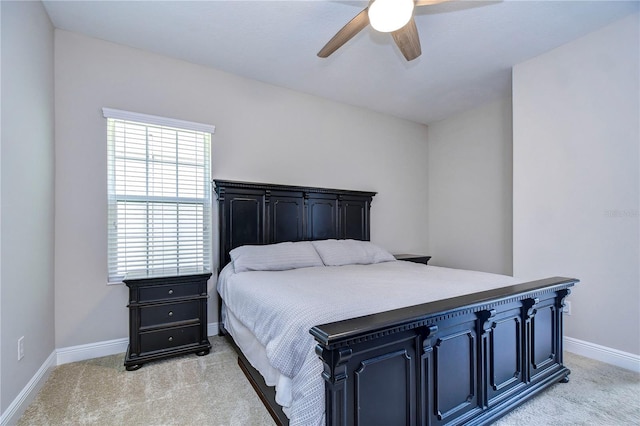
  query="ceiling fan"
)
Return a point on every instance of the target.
[{"x": 388, "y": 16}]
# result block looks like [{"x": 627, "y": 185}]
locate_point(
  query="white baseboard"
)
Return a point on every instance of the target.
[
  {"x": 611, "y": 356},
  {"x": 91, "y": 350},
  {"x": 109, "y": 347},
  {"x": 15, "y": 410},
  {"x": 213, "y": 328}
]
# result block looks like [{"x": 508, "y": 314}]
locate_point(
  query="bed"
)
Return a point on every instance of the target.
[{"x": 480, "y": 345}]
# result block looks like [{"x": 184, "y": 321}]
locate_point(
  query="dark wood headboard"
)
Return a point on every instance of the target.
[{"x": 258, "y": 213}]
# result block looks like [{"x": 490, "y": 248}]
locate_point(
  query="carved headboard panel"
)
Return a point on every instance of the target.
[{"x": 257, "y": 213}]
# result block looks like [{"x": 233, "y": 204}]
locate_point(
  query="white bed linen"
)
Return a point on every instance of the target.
[
  {"x": 256, "y": 354},
  {"x": 279, "y": 307}
]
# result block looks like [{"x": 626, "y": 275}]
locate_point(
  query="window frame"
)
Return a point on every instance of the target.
[{"x": 151, "y": 201}]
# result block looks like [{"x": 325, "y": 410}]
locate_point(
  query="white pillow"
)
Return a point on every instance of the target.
[
  {"x": 275, "y": 257},
  {"x": 350, "y": 252}
]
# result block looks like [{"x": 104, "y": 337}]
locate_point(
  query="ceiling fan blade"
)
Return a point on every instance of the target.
[
  {"x": 429, "y": 2},
  {"x": 347, "y": 32},
  {"x": 408, "y": 41}
]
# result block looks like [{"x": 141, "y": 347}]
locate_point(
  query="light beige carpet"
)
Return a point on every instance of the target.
[
  {"x": 211, "y": 390},
  {"x": 187, "y": 390}
]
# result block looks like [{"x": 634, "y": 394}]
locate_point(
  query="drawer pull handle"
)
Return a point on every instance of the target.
[
  {"x": 171, "y": 291},
  {"x": 170, "y": 313},
  {"x": 170, "y": 338}
]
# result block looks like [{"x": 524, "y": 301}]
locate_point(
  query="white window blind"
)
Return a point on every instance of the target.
[{"x": 159, "y": 194}]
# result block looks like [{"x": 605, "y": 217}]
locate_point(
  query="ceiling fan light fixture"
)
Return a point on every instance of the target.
[{"x": 390, "y": 15}]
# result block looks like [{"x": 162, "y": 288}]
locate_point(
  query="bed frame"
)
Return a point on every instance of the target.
[{"x": 465, "y": 360}]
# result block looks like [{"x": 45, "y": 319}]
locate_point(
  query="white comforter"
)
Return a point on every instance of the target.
[{"x": 279, "y": 308}]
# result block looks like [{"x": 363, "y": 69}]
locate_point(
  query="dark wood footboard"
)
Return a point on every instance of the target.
[{"x": 465, "y": 360}]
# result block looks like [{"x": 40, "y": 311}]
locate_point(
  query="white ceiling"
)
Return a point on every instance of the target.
[{"x": 468, "y": 47}]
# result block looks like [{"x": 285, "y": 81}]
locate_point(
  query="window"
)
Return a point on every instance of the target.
[{"x": 159, "y": 193}]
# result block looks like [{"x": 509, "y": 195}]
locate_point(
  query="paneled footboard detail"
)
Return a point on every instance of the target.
[{"x": 465, "y": 360}]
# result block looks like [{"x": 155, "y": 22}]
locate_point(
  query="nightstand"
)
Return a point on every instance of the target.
[
  {"x": 167, "y": 315},
  {"x": 416, "y": 258}
]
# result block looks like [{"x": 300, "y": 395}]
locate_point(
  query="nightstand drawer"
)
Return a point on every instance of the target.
[
  {"x": 167, "y": 292},
  {"x": 159, "y": 315},
  {"x": 169, "y": 338}
]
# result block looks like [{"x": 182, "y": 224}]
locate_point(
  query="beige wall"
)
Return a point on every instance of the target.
[
  {"x": 576, "y": 179},
  {"x": 470, "y": 194},
  {"x": 26, "y": 198},
  {"x": 263, "y": 133}
]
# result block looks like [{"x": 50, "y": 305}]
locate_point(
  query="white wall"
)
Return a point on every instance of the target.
[
  {"x": 576, "y": 179},
  {"x": 263, "y": 133},
  {"x": 27, "y": 173},
  {"x": 470, "y": 194}
]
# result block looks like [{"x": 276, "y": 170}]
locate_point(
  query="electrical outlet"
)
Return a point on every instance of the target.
[
  {"x": 20, "y": 348},
  {"x": 567, "y": 308}
]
